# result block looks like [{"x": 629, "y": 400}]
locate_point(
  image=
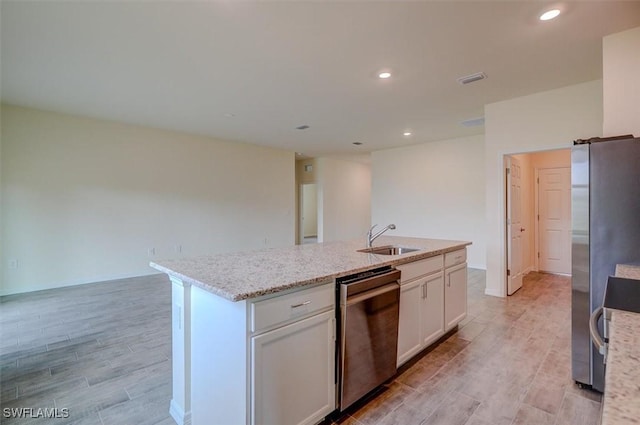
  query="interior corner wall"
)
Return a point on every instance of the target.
[
  {"x": 542, "y": 121},
  {"x": 433, "y": 190},
  {"x": 621, "y": 86},
  {"x": 344, "y": 199},
  {"x": 87, "y": 200}
]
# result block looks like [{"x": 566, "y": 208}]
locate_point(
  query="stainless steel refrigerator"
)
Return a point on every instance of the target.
[{"x": 605, "y": 210}]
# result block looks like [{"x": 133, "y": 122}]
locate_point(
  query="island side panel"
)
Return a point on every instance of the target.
[
  {"x": 219, "y": 359},
  {"x": 180, "y": 407}
]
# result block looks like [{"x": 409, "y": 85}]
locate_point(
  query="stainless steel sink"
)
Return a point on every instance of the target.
[{"x": 388, "y": 250}]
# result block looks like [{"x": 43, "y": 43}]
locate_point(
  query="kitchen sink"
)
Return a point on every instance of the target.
[{"x": 388, "y": 250}]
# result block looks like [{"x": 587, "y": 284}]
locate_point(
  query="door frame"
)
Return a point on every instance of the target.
[{"x": 500, "y": 255}]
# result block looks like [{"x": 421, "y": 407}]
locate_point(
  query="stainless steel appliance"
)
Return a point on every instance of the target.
[
  {"x": 368, "y": 340},
  {"x": 605, "y": 204},
  {"x": 620, "y": 294}
]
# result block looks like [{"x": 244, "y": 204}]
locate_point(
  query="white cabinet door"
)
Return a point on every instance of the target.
[
  {"x": 455, "y": 295},
  {"x": 432, "y": 311},
  {"x": 293, "y": 372},
  {"x": 409, "y": 329}
]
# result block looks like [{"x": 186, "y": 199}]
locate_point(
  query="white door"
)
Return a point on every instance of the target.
[
  {"x": 554, "y": 220},
  {"x": 514, "y": 225}
]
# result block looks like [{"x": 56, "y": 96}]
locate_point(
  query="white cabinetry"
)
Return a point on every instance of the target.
[
  {"x": 421, "y": 306},
  {"x": 264, "y": 361},
  {"x": 433, "y": 300},
  {"x": 293, "y": 369},
  {"x": 432, "y": 312},
  {"x": 455, "y": 288}
]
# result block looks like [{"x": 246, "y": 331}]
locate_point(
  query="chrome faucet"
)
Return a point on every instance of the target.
[{"x": 371, "y": 237}]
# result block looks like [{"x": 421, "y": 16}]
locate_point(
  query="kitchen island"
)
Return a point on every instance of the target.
[
  {"x": 241, "y": 320},
  {"x": 621, "y": 399}
]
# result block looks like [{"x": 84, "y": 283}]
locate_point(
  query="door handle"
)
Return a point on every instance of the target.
[
  {"x": 522, "y": 229},
  {"x": 593, "y": 330},
  {"x": 301, "y": 304}
]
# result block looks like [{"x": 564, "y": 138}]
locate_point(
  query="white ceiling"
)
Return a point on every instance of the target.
[{"x": 276, "y": 65}]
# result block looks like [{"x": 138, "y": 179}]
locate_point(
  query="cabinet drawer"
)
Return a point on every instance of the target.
[
  {"x": 420, "y": 268},
  {"x": 455, "y": 257},
  {"x": 280, "y": 309}
]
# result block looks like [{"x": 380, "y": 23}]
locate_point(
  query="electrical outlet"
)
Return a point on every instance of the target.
[
  {"x": 151, "y": 252},
  {"x": 13, "y": 264}
]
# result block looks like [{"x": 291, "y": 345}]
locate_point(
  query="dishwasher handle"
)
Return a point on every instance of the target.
[
  {"x": 593, "y": 330},
  {"x": 372, "y": 293}
]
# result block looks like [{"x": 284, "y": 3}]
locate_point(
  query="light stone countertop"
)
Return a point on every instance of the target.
[
  {"x": 621, "y": 400},
  {"x": 622, "y": 382},
  {"x": 243, "y": 275},
  {"x": 630, "y": 271}
]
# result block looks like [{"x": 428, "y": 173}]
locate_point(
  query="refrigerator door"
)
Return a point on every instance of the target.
[
  {"x": 580, "y": 305},
  {"x": 614, "y": 230}
]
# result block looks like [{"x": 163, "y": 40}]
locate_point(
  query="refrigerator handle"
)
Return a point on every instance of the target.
[{"x": 593, "y": 330}]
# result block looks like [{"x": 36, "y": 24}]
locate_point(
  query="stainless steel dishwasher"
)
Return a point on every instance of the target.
[{"x": 368, "y": 339}]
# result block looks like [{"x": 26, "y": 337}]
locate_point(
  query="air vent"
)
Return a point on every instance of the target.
[
  {"x": 473, "y": 122},
  {"x": 302, "y": 127},
  {"x": 472, "y": 78}
]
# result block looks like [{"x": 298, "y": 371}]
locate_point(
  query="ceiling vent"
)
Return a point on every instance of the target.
[
  {"x": 472, "y": 78},
  {"x": 473, "y": 122}
]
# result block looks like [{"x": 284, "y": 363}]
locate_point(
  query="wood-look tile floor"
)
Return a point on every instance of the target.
[{"x": 103, "y": 351}]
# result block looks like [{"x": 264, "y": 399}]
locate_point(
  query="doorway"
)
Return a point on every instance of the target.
[
  {"x": 309, "y": 213},
  {"x": 537, "y": 214}
]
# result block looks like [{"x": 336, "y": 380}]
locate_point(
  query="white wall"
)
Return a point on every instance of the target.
[
  {"x": 344, "y": 199},
  {"x": 433, "y": 190},
  {"x": 621, "y": 85},
  {"x": 84, "y": 199},
  {"x": 542, "y": 121}
]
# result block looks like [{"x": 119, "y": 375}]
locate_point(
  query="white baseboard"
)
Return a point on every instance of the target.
[
  {"x": 493, "y": 293},
  {"x": 179, "y": 415}
]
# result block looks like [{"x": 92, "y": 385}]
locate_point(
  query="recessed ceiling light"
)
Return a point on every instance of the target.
[
  {"x": 407, "y": 133},
  {"x": 384, "y": 75},
  {"x": 549, "y": 14},
  {"x": 357, "y": 143},
  {"x": 229, "y": 115}
]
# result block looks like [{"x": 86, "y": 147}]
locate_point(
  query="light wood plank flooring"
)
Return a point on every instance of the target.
[{"x": 103, "y": 352}]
